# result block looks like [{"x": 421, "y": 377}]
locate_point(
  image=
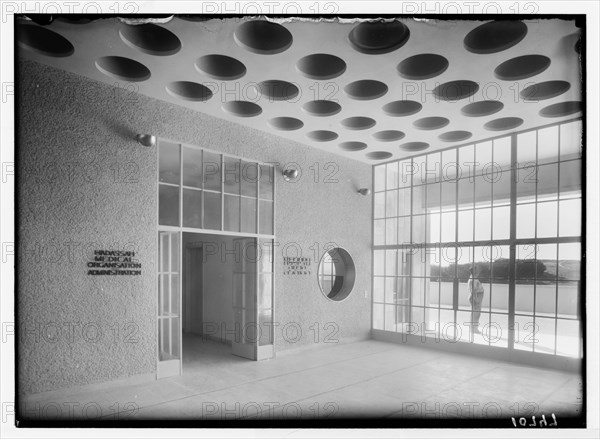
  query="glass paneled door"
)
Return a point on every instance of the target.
[
  {"x": 169, "y": 305},
  {"x": 253, "y": 299}
]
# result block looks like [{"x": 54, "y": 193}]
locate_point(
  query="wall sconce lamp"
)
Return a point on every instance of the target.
[
  {"x": 364, "y": 191},
  {"x": 146, "y": 139},
  {"x": 289, "y": 174}
]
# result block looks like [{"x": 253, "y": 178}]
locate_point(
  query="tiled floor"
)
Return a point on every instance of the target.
[{"x": 369, "y": 378}]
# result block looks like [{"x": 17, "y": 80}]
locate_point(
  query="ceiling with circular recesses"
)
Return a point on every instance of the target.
[{"x": 371, "y": 90}]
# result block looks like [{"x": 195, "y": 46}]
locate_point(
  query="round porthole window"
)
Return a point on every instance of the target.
[{"x": 336, "y": 274}]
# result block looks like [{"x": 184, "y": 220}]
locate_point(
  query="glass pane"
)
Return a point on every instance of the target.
[
  {"x": 211, "y": 167},
  {"x": 405, "y": 170},
  {"x": 175, "y": 252},
  {"x": 548, "y": 145},
  {"x": 570, "y": 217},
  {"x": 404, "y": 230},
  {"x": 433, "y": 196},
  {"x": 165, "y": 299},
  {"x": 391, "y": 289},
  {"x": 570, "y": 179},
  {"x": 569, "y": 261},
  {"x": 525, "y": 263},
  {"x": 168, "y": 162},
  {"x": 547, "y": 182},
  {"x": 192, "y": 208},
  {"x": 466, "y": 160},
  {"x": 526, "y": 148},
  {"x": 248, "y": 215},
  {"x": 448, "y": 226},
  {"x": 192, "y": 167},
  {"x": 502, "y": 148},
  {"x": 379, "y": 232},
  {"x": 419, "y": 167},
  {"x": 379, "y": 206},
  {"x": 483, "y": 156},
  {"x": 231, "y": 213},
  {"x": 265, "y": 321},
  {"x": 570, "y": 140},
  {"x": 391, "y": 231},
  {"x": 447, "y": 325},
  {"x": 174, "y": 310},
  {"x": 545, "y": 298},
  {"x": 249, "y": 178},
  {"x": 434, "y": 226},
  {"x": 434, "y": 167},
  {"x": 379, "y": 178},
  {"x": 465, "y": 225},
  {"x": 501, "y": 187},
  {"x": 418, "y": 291},
  {"x": 212, "y": 210},
  {"x": 418, "y": 199},
  {"x": 392, "y": 175},
  {"x": 483, "y": 224},
  {"x": 418, "y": 228},
  {"x": 168, "y": 205},
  {"x": 501, "y": 223},
  {"x": 498, "y": 330},
  {"x": 449, "y": 165},
  {"x": 390, "y": 317},
  {"x": 163, "y": 243},
  {"x": 545, "y": 335},
  {"x": 164, "y": 335},
  {"x": 265, "y": 291},
  {"x": 391, "y": 262},
  {"x": 524, "y": 333},
  {"x": 524, "y": 298},
  {"x": 378, "y": 316},
  {"x": 231, "y": 175},
  {"x": 568, "y": 338},
  {"x": 267, "y": 182},
  {"x": 391, "y": 203},
  {"x": 449, "y": 195},
  {"x": 525, "y": 221},
  {"x": 265, "y": 222},
  {"x": 547, "y": 219},
  {"x": 466, "y": 188},
  {"x": 266, "y": 255},
  {"x": 378, "y": 289},
  {"x": 483, "y": 190},
  {"x": 404, "y": 202}
]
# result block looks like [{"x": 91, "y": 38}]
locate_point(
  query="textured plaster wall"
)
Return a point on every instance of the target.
[{"x": 85, "y": 184}]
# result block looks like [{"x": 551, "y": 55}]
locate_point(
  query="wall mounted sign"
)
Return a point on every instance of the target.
[
  {"x": 114, "y": 262},
  {"x": 297, "y": 265}
]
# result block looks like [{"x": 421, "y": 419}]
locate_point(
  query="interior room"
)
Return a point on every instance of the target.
[{"x": 301, "y": 220}]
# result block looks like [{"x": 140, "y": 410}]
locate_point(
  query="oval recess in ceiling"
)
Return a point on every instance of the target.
[
  {"x": 455, "y": 136},
  {"x": 561, "y": 109},
  {"x": 322, "y": 135},
  {"x": 43, "y": 41},
  {"x": 322, "y": 108},
  {"x": 150, "y": 38},
  {"x": 286, "y": 123},
  {"x": 422, "y": 66},
  {"x": 431, "y": 123},
  {"x": 366, "y": 89},
  {"x": 263, "y": 37},
  {"x": 481, "y": 108},
  {"x": 378, "y": 155},
  {"x": 389, "y": 135},
  {"x": 122, "y": 68},
  {"x": 189, "y": 91},
  {"x": 544, "y": 90},
  {"x": 242, "y": 108},
  {"x": 221, "y": 67},
  {"x": 456, "y": 90},
  {"x": 377, "y": 37},
  {"x": 522, "y": 67},
  {"x": 495, "y": 36},
  {"x": 358, "y": 123},
  {"x": 414, "y": 146},
  {"x": 352, "y": 146},
  {"x": 321, "y": 66},
  {"x": 504, "y": 123},
  {"x": 402, "y": 108},
  {"x": 277, "y": 90}
]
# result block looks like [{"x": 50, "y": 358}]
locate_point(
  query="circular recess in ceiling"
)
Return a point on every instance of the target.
[
  {"x": 43, "y": 41},
  {"x": 422, "y": 66},
  {"x": 277, "y": 90},
  {"x": 402, "y": 108},
  {"x": 504, "y": 123},
  {"x": 389, "y": 135},
  {"x": 353, "y": 146},
  {"x": 150, "y": 38},
  {"x": 495, "y": 36},
  {"x": 286, "y": 123},
  {"x": 366, "y": 89},
  {"x": 544, "y": 90},
  {"x": 431, "y": 123},
  {"x": 455, "y": 136},
  {"x": 322, "y": 108},
  {"x": 358, "y": 123},
  {"x": 122, "y": 68},
  {"x": 321, "y": 66},
  {"x": 522, "y": 67},
  {"x": 190, "y": 91},
  {"x": 376, "y": 37},
  {"x": 481, "y": 108},
  {"x": 414, "y": 146},
  {"x": 322, "y": 135},
  {"x": 242, "y": 108},
  {"x": 562, "y": 109},
  {"x": 378, "y": 155},
  {"x": 456, "y": 90},
  {"x": 263, "y": 37},
  {"x": 221, "y": 67}
]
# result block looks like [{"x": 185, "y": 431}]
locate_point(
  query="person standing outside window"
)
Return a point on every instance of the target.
[{"x": 476, "y": 292}]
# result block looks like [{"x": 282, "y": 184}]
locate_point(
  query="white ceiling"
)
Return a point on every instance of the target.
[{"x": 169, "y": 58}]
